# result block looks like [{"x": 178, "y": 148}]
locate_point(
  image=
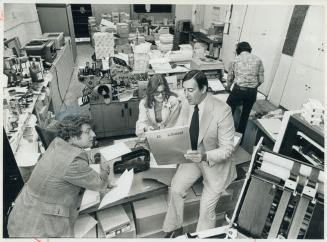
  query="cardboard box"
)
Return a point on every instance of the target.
[
  {"x": 150, "y": 214},
  {"x": 127, "y": 234},
  {"x": 122, "y": 28},
  {"x": 114, "y": 221}
]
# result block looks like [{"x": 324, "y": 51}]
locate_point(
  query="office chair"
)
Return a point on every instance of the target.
[{"x": 46, "y": 135}]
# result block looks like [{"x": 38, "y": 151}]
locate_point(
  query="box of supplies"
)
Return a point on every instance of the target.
[
  {"x": 122, "y": 28},
  {"x": 114, "y": 221},
  {"x": 150, "y": 214}
]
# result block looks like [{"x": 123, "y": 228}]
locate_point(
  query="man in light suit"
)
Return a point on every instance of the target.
[{"x": 212, "y": 133}]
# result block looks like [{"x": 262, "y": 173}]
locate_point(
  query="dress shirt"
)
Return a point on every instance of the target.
[{"x": 246, "y": 71}]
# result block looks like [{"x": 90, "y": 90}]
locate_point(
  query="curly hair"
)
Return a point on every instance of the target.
[
  {"x": 154, "y": 82},
  {"x": 71, "y": 125}
]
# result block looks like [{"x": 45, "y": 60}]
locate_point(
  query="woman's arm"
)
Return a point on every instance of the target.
[
  {"x": 175, "y": 109},
  {"x": 143, "y": 123}
]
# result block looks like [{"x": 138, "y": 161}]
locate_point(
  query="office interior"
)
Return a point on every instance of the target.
[{"x": 52, "y": 62}]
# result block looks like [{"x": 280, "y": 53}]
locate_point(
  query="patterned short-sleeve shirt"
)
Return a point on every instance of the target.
[{"x": 246, "y": 70}]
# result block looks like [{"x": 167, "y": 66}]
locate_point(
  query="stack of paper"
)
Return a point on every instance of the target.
[
  {"x": 103, "y": 44},
  {"x": 123, "y": 186}
]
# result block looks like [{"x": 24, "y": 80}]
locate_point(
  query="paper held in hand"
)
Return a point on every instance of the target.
[{"x": 168, "y": 146}]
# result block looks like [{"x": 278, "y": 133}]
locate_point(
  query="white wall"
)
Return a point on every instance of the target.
[
  {"x": 266, "y": 34},
  {"x": 209, "y": 14},
  {"x": 21, "y": 20},
  {"x": 183, "y": 12}
]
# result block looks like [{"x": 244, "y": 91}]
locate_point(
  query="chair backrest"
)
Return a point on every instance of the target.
[{"x": 46, "y": 135}]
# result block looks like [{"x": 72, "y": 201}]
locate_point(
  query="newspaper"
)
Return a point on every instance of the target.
[{"x": 168, "y": 146}]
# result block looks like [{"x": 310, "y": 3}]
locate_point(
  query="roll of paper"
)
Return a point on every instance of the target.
[
  {"x": 278, "y": 160},
  {"x": 275, "y": 170}
]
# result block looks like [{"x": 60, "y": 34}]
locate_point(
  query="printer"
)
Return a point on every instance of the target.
[
  {"x": 42, "y": 47},
  {"x": 57, "y": 37}
]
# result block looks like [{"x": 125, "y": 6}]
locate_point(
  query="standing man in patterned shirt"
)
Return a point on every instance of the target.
[{"x": 247, "y": 72}]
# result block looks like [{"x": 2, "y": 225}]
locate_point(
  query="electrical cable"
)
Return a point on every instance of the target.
[{"x": 61, "y": 99}]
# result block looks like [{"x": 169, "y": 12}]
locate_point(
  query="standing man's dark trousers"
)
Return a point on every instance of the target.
[{"x": 246, "y": 97}]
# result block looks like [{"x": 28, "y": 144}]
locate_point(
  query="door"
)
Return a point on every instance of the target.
[
  {"x": 97, "y": 119},
  {"x": 81, "y": 13},
  {"x": 133, "y": 113},
  {"x": 114, "y": 117}
]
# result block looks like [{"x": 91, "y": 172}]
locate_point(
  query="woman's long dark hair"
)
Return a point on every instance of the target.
[{"x": 154, "y": 82}]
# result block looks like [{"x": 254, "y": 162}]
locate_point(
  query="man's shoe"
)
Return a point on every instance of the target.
[{"x": 175, "y": 233}]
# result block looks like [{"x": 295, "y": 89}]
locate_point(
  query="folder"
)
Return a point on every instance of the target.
[{"x": 168, "y": 146}]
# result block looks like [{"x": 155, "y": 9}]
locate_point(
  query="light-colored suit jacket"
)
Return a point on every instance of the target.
[
  {"x": 216, "y": 136},
  {"x": 48, "y": 203},
  {"x": 170, "y": 112}
]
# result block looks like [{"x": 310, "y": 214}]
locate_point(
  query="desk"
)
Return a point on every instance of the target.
[{"x": 203, "y": 38}]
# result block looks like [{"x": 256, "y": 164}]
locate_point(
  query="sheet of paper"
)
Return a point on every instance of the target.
[
  {"x": 123, "y": 186},
  {"x": 168, "y": 146},
  {"x": 83, "y": 225},
  {"x": 90, "y": 198},
  {"x": 27, "y": 159},
  {"x": 216, "y": 85},
  {"x": 114, "y": 151},
  {"x": 272, "y": 126},
  {"x": 107, "y": 23},
  {"x": 96, "y": 167}
]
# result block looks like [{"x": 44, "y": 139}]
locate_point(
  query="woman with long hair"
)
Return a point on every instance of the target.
[{"x": 159, "y": 108}]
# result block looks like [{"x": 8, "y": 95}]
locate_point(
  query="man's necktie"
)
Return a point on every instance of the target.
[{"x": 194, "y": 128}]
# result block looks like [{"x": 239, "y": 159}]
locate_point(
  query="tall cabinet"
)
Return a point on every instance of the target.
[{"x": 306, "y": 76}]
